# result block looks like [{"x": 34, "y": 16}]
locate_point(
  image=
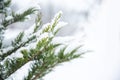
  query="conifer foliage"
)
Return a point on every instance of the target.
[{"x": 35, "y": 45}]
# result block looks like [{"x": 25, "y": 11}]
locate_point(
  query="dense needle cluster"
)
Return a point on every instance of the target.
[{"x": 35, "y": 45}]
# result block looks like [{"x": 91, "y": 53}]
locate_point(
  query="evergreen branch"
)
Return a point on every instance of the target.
[
  {"x": 9, "y": 52},
  {"x": 1, "y": 6},
  {"x": 56, "y": 20},
  {"x": 18, "y": 17},
  {"x": 40, "y": 63},
  {"x": 38, "y": 23},
  {"x": 41, "y": 69},
  {"x": 18, "y": 39},
  {"x": 7, "y": 3},
  {"x": 22, "y": 17},
  {"x": 42, "y": 43},
  {"x": 11, "y": 64},
  {"x": 47, "y": 65},
  {"x": 33, "y": 54},
  {"x": 4, "y": 4},
  {"x": 49, "y": 61}
]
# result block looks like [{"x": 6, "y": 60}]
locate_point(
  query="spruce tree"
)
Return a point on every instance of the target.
[{"x": 35, "y": 45}]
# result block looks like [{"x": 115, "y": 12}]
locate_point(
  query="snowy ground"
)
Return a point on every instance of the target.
[{"x": 103, "y": 37}]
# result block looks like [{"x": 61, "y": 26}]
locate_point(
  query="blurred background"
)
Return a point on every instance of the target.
[{"x": 95, "y": 23}]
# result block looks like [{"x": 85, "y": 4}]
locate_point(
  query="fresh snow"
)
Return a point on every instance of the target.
[{"x": 102, "y": 31}]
